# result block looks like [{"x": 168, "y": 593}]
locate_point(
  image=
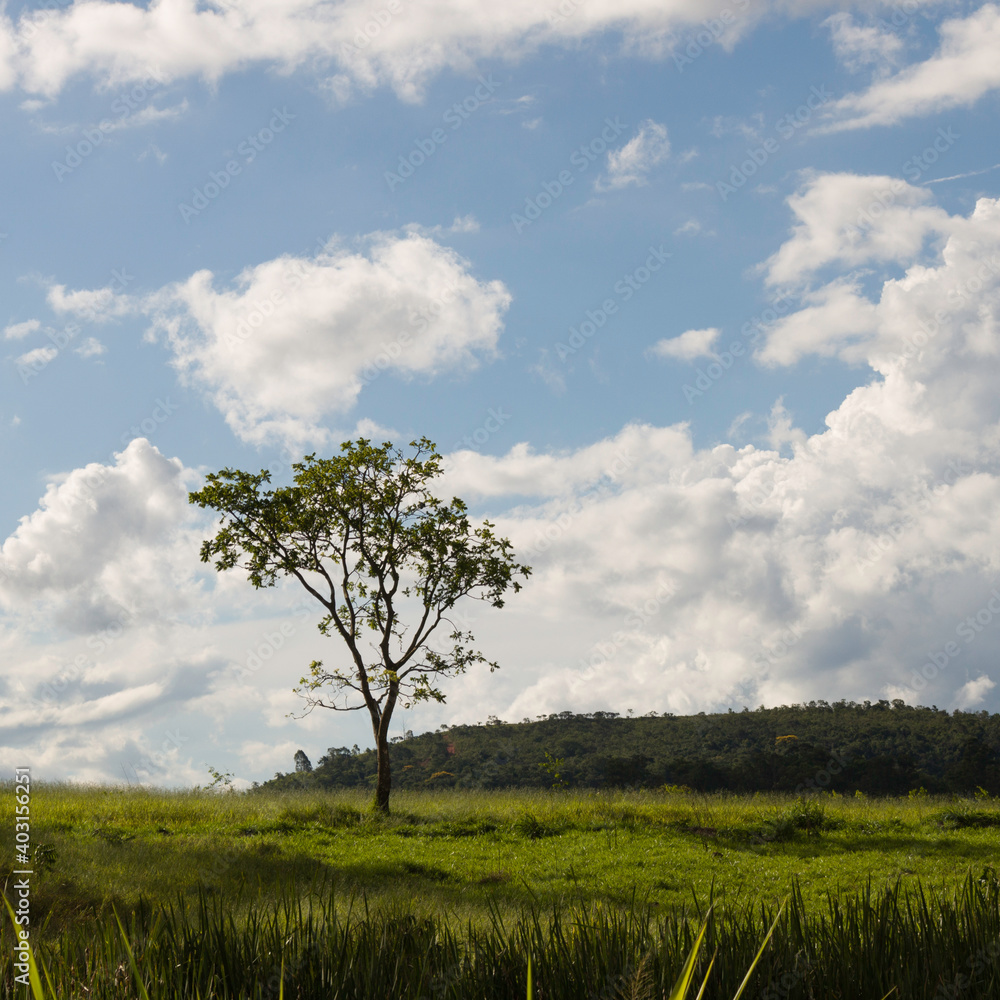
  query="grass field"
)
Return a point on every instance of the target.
[{"x": 469, "y": 859}]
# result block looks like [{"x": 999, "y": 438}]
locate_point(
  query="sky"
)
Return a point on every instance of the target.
[{"x": 700, "y": 303}]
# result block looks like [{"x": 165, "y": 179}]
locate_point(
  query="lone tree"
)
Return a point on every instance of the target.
[{"x": 365, "y": 536}]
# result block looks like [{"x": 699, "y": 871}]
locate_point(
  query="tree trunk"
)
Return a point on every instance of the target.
[{"x": 384, "y": 782}]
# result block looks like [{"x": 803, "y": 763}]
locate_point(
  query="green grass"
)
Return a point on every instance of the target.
[
  {"x": 460, "y": 852},
  {"x": 506, "y": 870}
]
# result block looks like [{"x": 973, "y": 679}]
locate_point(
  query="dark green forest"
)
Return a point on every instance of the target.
[{"x": 881, "y": 748}]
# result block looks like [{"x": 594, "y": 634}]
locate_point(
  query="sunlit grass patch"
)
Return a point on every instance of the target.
[{"x": 113, "y": 845}]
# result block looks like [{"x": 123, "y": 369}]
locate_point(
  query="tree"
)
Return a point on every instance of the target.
[
  {"x": 302, "y": 762},
  {"x": 368, "y": 539}
]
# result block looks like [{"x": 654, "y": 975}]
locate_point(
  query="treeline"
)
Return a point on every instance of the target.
[{"x": 885, "y": 748}]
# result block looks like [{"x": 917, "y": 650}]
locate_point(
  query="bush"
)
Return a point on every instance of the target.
[
  {"x": 530, "y": 826},
  {"x": 808, "y": 815}
]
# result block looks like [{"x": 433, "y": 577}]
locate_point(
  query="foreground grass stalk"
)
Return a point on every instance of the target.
[
  {"x": 34, "y": 981},
  {"x": 679, "y": 992},
  {"x": 131, "y": 960},
  {"x": 873, "y": 945},
  {"x": 683, "y": 984}
]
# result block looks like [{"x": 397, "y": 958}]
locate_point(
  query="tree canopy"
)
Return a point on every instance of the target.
[{"x": 367, "y": 537}]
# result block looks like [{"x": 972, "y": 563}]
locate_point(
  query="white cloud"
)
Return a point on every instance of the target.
[
  {"x": 857, "y": 46},
  {"x": 723, "y": 125},
  {"x": 974, "y": 692},
  {"x": 125, "y": 118},
  {"x": 688, "y": 581},
  {"x": 530, "y": 473},
  {"x": 17, "y": 331},
  {"x": 826, "y": 567},
  {"x": 964, "y": 68},
  {"x": 263, "y": 754},
  {"x": 549, "y": 372},
  {"x": 649, "y": 148},
  {"x": 91, "y": 348},
  {"x": 836, "y": 320},
  {"x": 121, "y": 655},
  {"x": 294, "y": 340},
  {"x": 688, "y": 346},
  {"x": 692, "y": 226},
  {"x": 97, "y": 305},
  {"x": 846, "y": 220},
  {"x": 117, "y": 43},
  {"x": 735, "y": 429},
  {"x": 39, "y": 356},
  {"x": 147, "y": 116},
  {"x": 105, "y": 546},
  {"x": 153, "y": 150},
  {"x": 460, "y": 224},
  {"x": 940, "y": 264}
]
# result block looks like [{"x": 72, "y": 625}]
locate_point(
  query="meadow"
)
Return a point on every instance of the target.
[{"x": 224, "y": 894}]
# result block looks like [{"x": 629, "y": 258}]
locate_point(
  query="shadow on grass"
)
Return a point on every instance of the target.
[
  {"x": 92, "y": 875},
  {"x": 961, "y": 849}
]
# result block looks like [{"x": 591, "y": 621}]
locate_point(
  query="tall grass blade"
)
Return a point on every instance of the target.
[
  {"x": 708, "y": 972},
  {"x": 679, "y": 992},
  {"x": 131, "y": 960},
  {"x": 760, "y": 951},
  {"x": 33, "y": 978}
]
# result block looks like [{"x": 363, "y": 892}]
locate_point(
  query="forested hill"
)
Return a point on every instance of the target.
[{"x": 882, "y": 748}]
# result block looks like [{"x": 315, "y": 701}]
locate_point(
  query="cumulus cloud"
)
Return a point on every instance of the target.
[
  {"x": 835, "y": 320},
  {"x": 106, "y": 546},
  {"x": 846, "y": 220},
  {"x": 119, "y": 651},
  {"x": 963, "y": 69},
  {"x": 630, "y": 165},
  {"x": 934, "y": 266},
  {"x": 527, "y": 472},
  {"x": 833, "y": 565},
  {"x": 972, "y": 694},
  {"x": 295, "y": 339},
  {"x": 689, "y": 345},
  {"x": 688, "y": 581}
]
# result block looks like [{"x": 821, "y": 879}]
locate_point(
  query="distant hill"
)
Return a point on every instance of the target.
[{"x": 885, "y": 748}]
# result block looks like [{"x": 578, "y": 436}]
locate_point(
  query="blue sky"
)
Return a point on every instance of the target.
[{"x": 699, "y": 304}]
